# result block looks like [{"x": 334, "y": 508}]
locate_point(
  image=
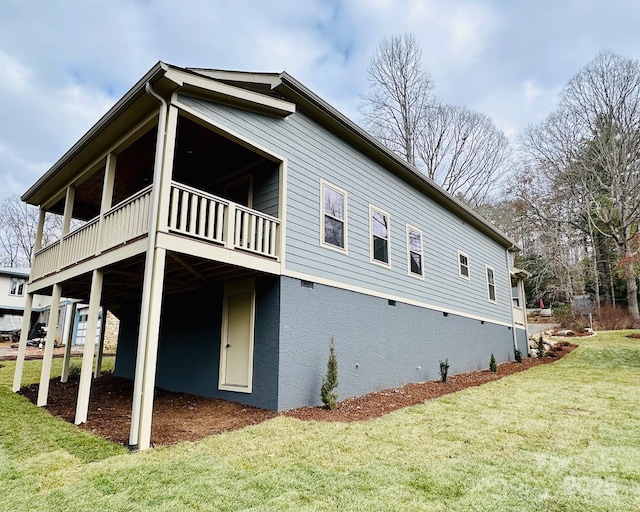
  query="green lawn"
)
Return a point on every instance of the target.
[{"x": 560, "y": 437}]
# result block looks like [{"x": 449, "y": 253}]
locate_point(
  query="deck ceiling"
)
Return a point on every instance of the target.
[
  {"x": 203, "y": 159},
  {"x": 123, "y": 281}
]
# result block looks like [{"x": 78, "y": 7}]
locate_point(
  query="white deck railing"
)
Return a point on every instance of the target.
[
  {"x": 192, "y": 212},
  {"x": 201, "y": 215}
]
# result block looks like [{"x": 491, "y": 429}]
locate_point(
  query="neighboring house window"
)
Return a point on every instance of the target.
[
  {"x": 491, "y": 284},
  {"x": 334, "y": 217},
  {"x": 414, "y": 251},
  {"x": 463, "y": 264},
  {"x": 379, "y": 235},
  {"x": 515, "y": 293},
  {"x": 17, "y": 287}
]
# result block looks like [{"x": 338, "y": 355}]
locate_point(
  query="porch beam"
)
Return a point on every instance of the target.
[
  {"x": 22, "y": 347},
  {"x": 45, "y": 374},
  {"x": 84, "y": 389}
]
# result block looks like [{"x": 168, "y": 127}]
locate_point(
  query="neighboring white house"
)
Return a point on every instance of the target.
[
  {"x": 13, "y": 288},
  {"x": 13, "y": 285}
]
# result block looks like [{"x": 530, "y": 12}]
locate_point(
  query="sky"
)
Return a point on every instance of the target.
[{"x": 66, "y": 62}]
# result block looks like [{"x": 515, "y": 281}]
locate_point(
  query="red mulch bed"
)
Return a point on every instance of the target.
[{"x": 183, "y": 417}]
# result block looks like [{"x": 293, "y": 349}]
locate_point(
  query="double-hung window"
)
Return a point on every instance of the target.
[
  {"x": 463, "y": 265},
  {"x": 491, "y": 284},
  {"x": 334, "y": 217},
  {"x": 16, "y": 288},
  {"x": 414, "y": 252},
  {"x": 380, "y": 235}
]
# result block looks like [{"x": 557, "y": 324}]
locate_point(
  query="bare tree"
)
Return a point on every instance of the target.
[
  {"x": 590, "y": 149},
  {"x": 399, "y": 96},
  {"x": 459, "y": 149},
  {"x": 18, "y": 226},
  {"x": 463, "y": 152}
]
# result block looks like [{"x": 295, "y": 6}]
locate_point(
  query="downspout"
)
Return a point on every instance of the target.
[
  {"x": 148, "y": 270},
  {"x": 513, "y": 320}
]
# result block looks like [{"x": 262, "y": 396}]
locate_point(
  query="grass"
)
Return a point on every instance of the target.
[{"x": 560, "y": 437}]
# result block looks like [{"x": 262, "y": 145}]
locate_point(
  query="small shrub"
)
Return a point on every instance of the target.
[
  {"x": 518, "y": 356},
  {"x": 612, "y": 318},
  {"x": 444, "y": 369},
  {"x": 74, "y": 370},
  {"x": 492, "y": 364},
  {"x": 330, "y": 382},
  {"x": 541, "y": 348}
]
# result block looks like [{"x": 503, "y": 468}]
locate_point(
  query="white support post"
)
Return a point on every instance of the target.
[
  {"x": 39, "y": 231},
  {"x": 84, "y": 389},
  {"x": 68, "y": 343},
  {"x": 164, "y": 192},
  {"x": 22, "y": 347},
  {"x": 150, "y": 273},
  {"x": 107, "y": 197},
  {"x": 103, "y": 326},
  {"x": 229, "y": 226},
  {"x": 45, "y": 374},
  {"x": 151, "y": 352},
  {"x": 66, "y": 224}
]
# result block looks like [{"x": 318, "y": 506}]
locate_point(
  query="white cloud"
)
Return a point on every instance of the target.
[{"x": 64, "y": 63}]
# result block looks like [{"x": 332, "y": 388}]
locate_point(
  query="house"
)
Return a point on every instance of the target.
[
  {"x": 234, "y": 222},
  {"x": 13, "y": 288}
]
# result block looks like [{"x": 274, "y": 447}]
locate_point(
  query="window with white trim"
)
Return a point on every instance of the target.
[
  {"x": 491, "y": 284},
  {"x": 379, "y": 228},
  {"x": 334, "y": 217},
  {"x": 16, "y": 288},
  {"x": 414, "y": 252},
  {"x": 463, "y": 265}
]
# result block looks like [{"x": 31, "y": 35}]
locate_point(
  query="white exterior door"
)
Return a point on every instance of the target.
[{"x": 236, "y": 348}]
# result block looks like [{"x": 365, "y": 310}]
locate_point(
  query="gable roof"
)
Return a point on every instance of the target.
[{"x": 276, "y": 94}]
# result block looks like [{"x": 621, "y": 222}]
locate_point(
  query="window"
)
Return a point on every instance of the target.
[
  {"x": 491, "y": 284},
  {"x": 379, "y": 236},
  {"x": 16, "y": 287},
  {"x": 515, "y": 293},
  {"x": 463, "y": 264},
  {"x": 334, "y": 217},
  {"x": 414, "y": 251}
]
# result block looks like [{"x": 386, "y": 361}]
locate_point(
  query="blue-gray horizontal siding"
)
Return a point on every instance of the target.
[
  {"x": 314, "y": 153},
  {"x": 266, "y": 192},
  {"x": 189, "y": 344},
  {"x": 378, "y": 345}
]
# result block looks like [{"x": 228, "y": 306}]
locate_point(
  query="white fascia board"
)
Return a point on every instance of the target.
[
  {"x": 271, "y": 80},
  {"x": 233, "y": 95}
]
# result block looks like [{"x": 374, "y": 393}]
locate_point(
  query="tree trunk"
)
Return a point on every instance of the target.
[{"x": 632, "y": 293}]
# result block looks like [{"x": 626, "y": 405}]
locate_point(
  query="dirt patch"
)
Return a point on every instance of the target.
[
  {"x": 183, "y": 417},
  {"x": 634, "y": 335}
]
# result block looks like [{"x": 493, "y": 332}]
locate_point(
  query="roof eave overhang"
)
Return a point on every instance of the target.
[
  {"x": 36, "y": 194},
  {"x": 134, "y": 106}
]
